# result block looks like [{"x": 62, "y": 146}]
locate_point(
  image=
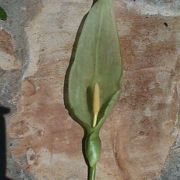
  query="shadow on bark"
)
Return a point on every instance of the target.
[{"x": 3, "y": 111}]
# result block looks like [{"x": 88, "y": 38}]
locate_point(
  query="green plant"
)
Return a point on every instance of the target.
[
  {"x": 3, "y": 15},
  {"x": 95, "y": 77}
]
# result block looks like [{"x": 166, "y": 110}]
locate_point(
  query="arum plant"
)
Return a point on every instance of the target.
[
  {"x": 3, "y": 15},
  {"x": 94, "y": 78}
]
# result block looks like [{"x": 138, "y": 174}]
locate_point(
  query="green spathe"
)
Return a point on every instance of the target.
[
  {"x": 3, "y": 15},
  {"x": 97, "y": 60}
]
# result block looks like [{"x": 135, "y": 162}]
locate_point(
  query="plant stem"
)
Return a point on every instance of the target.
[{"x": 92, "y": 173}]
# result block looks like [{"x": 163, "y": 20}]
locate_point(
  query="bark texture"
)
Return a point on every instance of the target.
[{"x": 140, "y": 140}]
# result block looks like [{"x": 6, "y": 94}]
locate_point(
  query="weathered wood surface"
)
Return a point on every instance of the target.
[{"x": 140, "y": 140}]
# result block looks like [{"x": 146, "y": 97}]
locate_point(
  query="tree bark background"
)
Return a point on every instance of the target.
[{"x": 140, "y": 140}]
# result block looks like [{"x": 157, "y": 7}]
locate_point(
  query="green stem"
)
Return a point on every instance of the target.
[{"x": 92, "y": 173}]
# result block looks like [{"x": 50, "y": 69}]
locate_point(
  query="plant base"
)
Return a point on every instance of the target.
[{"x": 92, "y": 173}]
